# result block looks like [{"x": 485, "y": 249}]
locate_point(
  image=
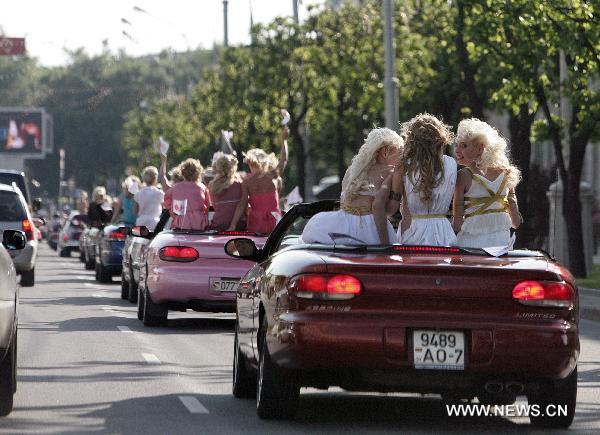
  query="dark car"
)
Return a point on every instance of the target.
[
  {"x": 108, "y": 244},
  {"x": 446, "y": 320},
  {"x": 68, "y": 237}
]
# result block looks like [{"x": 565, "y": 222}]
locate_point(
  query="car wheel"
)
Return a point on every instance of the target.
[
  {"x": 8, "y": 378},
  {"x": 244, "y": 385},
  {"x": 278, "y": 389},
  {"x": 28, "y": 278},
  {"x": 556, "y": 398},
  {"x": 154, "y": 314},
  {"x": 133, "y": 289},
  {"x": 81, "y": 256},
  {"x": 64, "y": 252},
  {"x": 140, "y": 304},
  {"x": 89, "y": 264},
  {"x": 104, "y": 275},
  {"x": 97, "y": 272},
  {"x": 124, "y": 288}
]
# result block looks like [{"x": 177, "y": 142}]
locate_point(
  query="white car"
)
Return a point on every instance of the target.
[
  {"x": 12, "y": 241},
  {"x": 14, "y": 215},
  {"x": 68, "y": 237}
]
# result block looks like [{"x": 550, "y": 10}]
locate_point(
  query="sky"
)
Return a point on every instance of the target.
[{"x": 50, "y": 25}]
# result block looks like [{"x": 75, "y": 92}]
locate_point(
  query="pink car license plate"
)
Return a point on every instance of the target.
[{"x": 225, "y": 285}]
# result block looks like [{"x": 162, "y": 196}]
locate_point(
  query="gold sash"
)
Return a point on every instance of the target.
[{"x": 485, "y": 202}]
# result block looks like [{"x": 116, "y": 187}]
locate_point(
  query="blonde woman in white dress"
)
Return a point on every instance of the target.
[
  {"x": 354, "y": 223},
  {"x": 425, "y": 181},
  {"x": 485, "y": 204}
]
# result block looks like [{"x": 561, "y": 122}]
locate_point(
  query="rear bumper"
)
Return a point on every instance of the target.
[
  {"x": 112, "y": 256},
  {"x": 508, "y": 351},
  {"x": 185, "y": 282}
]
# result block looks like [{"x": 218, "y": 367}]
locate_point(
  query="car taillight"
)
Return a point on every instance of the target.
[
  {"x": 115, "y": 235},
  {"x": 65, "y": 237},
  {"x": 178, "y": 253},
  {"x": 28, "y": 229},
  {"x": 325, "y": 287},
  {"x": 544, "y": 293}
]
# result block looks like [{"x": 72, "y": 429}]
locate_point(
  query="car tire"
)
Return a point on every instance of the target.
[
  {"x": 64, "y": 252},
  {"x": 563, "y": 394},
  {"x": 140, "y": 305},
  {"x": 154, "y": 314},
  {"x": 90, "y": 264},
  {"x": 81, "y": 256},
  {"x": 96, "y": 272},
  {"x": 133, "y": 289},
  {"x": 278, "y": 389},
  {"x": 28, "y": 278},
  {"x": 8, "y": 378},
  {"x": 104, "y": 275},
  {"x": 243, "y": 384},
  {"x": 124, "y": 287}
]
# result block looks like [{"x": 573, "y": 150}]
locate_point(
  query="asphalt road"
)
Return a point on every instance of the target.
[{"x": 86, "y": 364}]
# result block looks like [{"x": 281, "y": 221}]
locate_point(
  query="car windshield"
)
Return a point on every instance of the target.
[{"x": 11, "y": 207}]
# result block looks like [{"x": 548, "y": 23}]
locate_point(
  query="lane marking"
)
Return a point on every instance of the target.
[
  {"x": 97, "y": 296},
  {"x": 151, "y": 358},
  {"x": 193, "y": 405},
  {"x": 125, "y": 329},
  {"x": 89, "y": 284}
]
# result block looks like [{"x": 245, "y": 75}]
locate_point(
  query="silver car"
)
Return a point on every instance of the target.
[
  {"x": 14, "y": 215},
  {"x": 11, "y": 241}
]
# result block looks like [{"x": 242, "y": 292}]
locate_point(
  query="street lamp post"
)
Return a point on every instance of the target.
[
  {"x": 390, "y": 80},
  {"x": 225, "y": 30}
]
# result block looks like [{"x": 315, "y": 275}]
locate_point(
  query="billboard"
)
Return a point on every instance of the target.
[
  {"x": 12, "y": 46},
  {"x": 23, "y": 132}
]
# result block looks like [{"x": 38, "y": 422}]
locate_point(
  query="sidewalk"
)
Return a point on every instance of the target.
[{"x": 589, "y": 303}]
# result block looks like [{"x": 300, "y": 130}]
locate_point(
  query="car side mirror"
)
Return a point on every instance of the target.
[
  {"x": 13, "y": 240},
  {"x": 241, "y": 248},
  {"x": 38, "y": 221},
  {"x": 140, "y": 231},
  {"x": 126, "y": 231}
]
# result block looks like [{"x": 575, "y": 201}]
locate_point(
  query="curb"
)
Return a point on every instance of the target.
[{"x": 589, "y": 303}]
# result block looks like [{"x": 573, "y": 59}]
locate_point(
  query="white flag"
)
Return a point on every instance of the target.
[
  {"x": 286, "y": 117},
  {"x": 162, "y": 146},
  {"x": 180, "y": 206}
]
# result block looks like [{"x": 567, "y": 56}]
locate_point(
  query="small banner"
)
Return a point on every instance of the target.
[
  {"x": 11, "y": 46},
  {"x": 179, "y": 207},
  {"x": 286, "y": 117}
]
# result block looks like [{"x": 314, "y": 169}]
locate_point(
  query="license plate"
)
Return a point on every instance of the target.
[
  {"x": 439, "y": 350},
  {"x": 225, "y": 285}
]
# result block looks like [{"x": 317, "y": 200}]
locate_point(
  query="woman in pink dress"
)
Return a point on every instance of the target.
[
  {"x": 188, "y": 201},
  {"x": 261, "y": 189},
  {"x": 225, "y": 192}
]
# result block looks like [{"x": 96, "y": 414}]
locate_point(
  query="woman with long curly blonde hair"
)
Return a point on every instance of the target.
[
  {"x": 261, "y": 189},
  {"x": 425, "y": 179},
  {"x": 225, "y": 191},
  {"x": 189, "y": 200},
  {"x": 357, "y": 221},
  {"x": 485, "y": 204}
]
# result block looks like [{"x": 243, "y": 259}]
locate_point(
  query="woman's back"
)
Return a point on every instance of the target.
[
  {"x": 188, "y": 203},
  {"x": 441, "y": 195},
  {"x": 429, "y": 224},
  {"x": 225, "y": 203}
]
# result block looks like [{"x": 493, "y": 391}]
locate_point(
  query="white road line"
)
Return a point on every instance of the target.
[
  {"x": 85, "y": 277},
  {"x": 89, "y": 284},
  {"x": 193, "y": 405},
  {"x": 151, "y": 358},
  {"x": 125, "y": 329},
  {"x": 97, "y": 296}
]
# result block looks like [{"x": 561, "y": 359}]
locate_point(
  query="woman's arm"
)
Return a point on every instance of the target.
[
  {"x": 283, "y": 156},
  {"x": 378, "y": 208},
  {"x": 162, "y": 173},
  {"x": 458, "y": 203},
  {"x": 513, "y": 209},
  {"x": 241, "y": 207},
  {"x": 395, "y": 193}
]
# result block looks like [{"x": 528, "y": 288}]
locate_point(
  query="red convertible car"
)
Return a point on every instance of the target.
[{"x": 452, "y": 321}]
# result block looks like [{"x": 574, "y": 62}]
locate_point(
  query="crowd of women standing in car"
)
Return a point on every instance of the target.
[
  {"x": 409, "y": 171},
  {"x": 250, "y": 204},
  {"x": 440, "y": 203}
]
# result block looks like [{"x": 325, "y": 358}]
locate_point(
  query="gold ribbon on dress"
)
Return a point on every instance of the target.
[
  {"x": 357, "y": 211},
  {"x": 485, "y": 202}
]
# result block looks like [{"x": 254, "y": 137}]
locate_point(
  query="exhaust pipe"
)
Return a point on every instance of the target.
[
  {"x": 515, "y": 388},
  {"x": 493, "y": 387}
]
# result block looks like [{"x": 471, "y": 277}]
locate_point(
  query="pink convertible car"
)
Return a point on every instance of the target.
[{"x": 189, "y": 270}]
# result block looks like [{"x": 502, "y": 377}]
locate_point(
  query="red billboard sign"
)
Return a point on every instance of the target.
[
  {"x": 10, "y": 46},
  {"x": 22, "y": 131}
]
